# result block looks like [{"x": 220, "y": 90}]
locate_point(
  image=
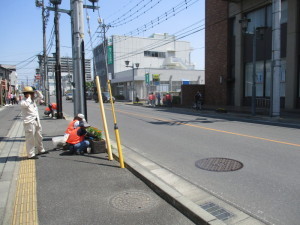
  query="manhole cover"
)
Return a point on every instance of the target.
[
  {"x": 219, "y": 164},
  {"x": 132, "y": 201}
]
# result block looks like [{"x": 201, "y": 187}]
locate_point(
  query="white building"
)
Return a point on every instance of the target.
[
  {"x": 66, "y": 73},
  {"x": 160, "y": 55}
]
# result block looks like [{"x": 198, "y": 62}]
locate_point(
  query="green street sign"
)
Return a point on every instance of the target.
[
  {"x": 110, "y": 59},
  {"x": 147, "y": 78}
]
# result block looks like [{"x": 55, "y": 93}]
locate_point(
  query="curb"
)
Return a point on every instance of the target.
[{"x": 181, "y": 194}]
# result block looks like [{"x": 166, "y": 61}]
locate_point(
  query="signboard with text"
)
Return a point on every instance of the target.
[
  {"x": 147, "y": 78},
  {"x": 110, "y": 58},
  {"x": 156, "y": 79}
]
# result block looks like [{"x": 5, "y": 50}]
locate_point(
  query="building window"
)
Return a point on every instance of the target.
[
  {"x": 262, "y": 18},
  {"x": 155, "y": 54}
]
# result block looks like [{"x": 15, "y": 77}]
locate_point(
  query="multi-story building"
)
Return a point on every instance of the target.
[
  {"x": 158, "y": 63},
  {"x": 229, "y": 54},
  {"x": 9, "y": 81},
  {"x": 66, "y": 73}
]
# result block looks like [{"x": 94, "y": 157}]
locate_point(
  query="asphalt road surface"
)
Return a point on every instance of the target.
[{"x": 267, "y": 186}]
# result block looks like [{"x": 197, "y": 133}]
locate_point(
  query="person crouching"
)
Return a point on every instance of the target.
[{"x": 76, "y": 139}]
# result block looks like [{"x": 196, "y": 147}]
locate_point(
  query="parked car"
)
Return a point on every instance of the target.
[
  {"x": 69, "y": 96},
  {"x": 105, "y": 97}
]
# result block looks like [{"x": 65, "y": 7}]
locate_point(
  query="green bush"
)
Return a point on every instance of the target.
[
  {"x": 176, "y": 100},
  {"x": 120, "y": 97}
]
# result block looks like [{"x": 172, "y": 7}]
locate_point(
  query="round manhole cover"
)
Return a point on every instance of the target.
[
  {"x": 219, "y": 164},
  {"x": 132, "y": 201}
]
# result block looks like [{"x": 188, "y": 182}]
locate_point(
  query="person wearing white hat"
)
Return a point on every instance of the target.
[
  {"x": 76, "y": 139},
  {"x": 32, "y": 124}
]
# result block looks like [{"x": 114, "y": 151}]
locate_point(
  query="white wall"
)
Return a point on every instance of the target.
[{"x": 132, "y": 49}]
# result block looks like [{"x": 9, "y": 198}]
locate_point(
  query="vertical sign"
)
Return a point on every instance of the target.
[
  {"x": 147, "y": 78},
  {"x": 110, "y": 54}
]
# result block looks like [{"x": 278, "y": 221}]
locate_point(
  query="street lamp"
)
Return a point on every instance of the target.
[
  {"x": 136, "y": 66},
  {"x": 256, "y": 30}
]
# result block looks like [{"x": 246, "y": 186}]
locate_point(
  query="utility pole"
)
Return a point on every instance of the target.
[
  {"x": 44, "y": 81},
  {"x": 276, "y": 62},
  {"x": 77, "y": 30},
  {"x": 57, "y": 66},
  {"x": 78, "y": 42}
]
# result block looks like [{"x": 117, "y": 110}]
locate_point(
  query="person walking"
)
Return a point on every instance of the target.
[
  {"x": 158, "y": 98},
  {"x": 169, "y": 99},
  {"x": 153, "y": 99},
  {"x": 198, "y": 98},
  {"x": 32, "y": 124},
  {"x": 150, "y": 98}
]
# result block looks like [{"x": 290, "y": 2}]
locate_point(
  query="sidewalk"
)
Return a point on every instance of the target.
[{"x": 76, "y": 189}]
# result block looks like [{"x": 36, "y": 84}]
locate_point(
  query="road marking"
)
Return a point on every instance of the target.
[
  {"x": 25, "y": 207},
  {"x": 211, "y": 129}
]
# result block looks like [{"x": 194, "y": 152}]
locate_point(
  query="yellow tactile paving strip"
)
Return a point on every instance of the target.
[{"x": 25, "y": 207}]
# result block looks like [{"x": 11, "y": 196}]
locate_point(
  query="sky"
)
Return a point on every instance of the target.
[{"x": 21, "y": 38}]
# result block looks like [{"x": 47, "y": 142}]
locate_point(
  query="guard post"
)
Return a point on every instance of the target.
[
  {"x": 110, "y": 157},
  {"x": 121, "y": 160}
]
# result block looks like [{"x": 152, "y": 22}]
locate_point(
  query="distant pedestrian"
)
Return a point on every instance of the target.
[
  {"x": 198, "y": 99},
  {"x": 158, "y": 98},
  {"x": 12, "y": 98},
  {"x": 169, "y": 99},
  {"x": 32, "y": 124},
  {"x": 153, "y": 99},
  {"x": 150, "y": 98}
]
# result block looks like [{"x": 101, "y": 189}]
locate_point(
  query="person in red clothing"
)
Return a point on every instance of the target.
[
  {"x": 169, "y": 99},
  {"x": 76, "y": 139}
]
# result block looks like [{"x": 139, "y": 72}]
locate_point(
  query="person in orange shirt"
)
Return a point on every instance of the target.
[
  {"x": 73, "y": 125},
  {"x": 76, "y": 139}
]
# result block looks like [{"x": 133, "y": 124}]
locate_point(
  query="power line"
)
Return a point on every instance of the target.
[
  {"x": 163, "y": 17},
  {"x": 125, "y": 21},
  {"x": 120, "y": 9},
  {"x": 129, "y": 11}
]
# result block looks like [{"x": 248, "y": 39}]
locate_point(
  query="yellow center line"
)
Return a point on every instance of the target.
[{"x": 211, "y": 129}]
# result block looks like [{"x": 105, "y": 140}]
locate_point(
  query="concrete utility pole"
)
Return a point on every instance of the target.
[
  {"x": 276, "y": 62},
  {"x": 78, "y": 42},
  {"x": 44, "y": 59}
]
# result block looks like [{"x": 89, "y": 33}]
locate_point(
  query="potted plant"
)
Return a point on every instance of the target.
[{"x": 98, "y": 144}]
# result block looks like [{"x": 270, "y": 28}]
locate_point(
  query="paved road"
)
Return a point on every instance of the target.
[{"x": 267, "y": 186}]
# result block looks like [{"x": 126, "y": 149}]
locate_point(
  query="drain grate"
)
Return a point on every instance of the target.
[
  {"x": 219, "y": 164},
  {"x": 216, "y": 211}
]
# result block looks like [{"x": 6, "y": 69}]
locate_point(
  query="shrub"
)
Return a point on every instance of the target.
[{"x": 96, "y": 132}]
